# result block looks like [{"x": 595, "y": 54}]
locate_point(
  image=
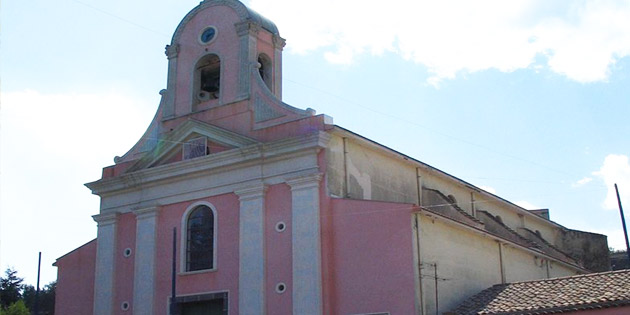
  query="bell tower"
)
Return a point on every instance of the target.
[{"x": 213, "y": 55}]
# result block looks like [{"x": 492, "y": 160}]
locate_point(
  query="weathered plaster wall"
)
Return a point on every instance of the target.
[
  {"x": 466, "y": 263},
  {"x": 373, "y": 257},
  {"x": 75, "y": 281},
  {"x": 590, "y": 248},
  {"x": 520, "y": 265},
  {"x": 335, "y": 169},
  {"x": 469, "y": 261},
  {"x": 448, "y": 187},
  {"x": 371, "y": 174}
]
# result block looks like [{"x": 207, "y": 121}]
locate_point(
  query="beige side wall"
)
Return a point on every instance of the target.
[
  {"x": 521, "y": 266},
  {"x": 466, "y": 264},
  {"x": 460, "y": 192},
  {"x": 334, "y": 168},
  {"x": 373, "y": 174},
  {"x": 558, "y": 270},
  {"x": 514, "y": 220}
]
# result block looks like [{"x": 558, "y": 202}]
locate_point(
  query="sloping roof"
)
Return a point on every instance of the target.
[{"x": 590, "y": 291}]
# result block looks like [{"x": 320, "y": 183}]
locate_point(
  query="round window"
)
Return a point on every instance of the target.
[
  {"x": 207, "y": 35},
  {"x": 281, "y": 287},
  {"x": 281, "y": 226}
]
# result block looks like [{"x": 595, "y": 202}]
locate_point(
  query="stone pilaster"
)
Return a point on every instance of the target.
[
  {"x": 105, "y": 251},
  {"x": 278, "y": 45},
  {"x": 248, "y": 37},
  {"x": 144, "y": 266},
  {"x": 251, "y": 283},
  {"x": 307, "y": 271}
]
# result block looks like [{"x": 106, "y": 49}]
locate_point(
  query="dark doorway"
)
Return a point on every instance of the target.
[{"x": 203, "y": 304}]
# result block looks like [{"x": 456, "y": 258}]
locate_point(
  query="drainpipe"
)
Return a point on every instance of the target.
[
  {"x": 501, "y": 265},
  {"x": 346, "y": 176},
  {"x": 420, "y": 308}
]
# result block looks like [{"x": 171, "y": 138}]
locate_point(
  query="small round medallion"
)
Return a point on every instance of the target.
[{"x": 208, "y": 34}]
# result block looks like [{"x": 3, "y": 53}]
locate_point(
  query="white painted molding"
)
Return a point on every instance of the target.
[
  {"x": 145, "y": 213},
  {"x": 105, "y": 219},
  {"x": 305, "y": 182},
  {"x": 255, "y": 191},
  {"x": 268, "y": 153}
]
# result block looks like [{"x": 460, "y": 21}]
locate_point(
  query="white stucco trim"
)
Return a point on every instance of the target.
[
  {"x": 305, "y": 227},
  {"x": 183, "y": 237},
  {"x": 274, "y": 154},
  {"x": 104, "y": 269},
  {"x": 144, "y": 266},
  {"x": 211, "y": 175},
  {"x": 251, "y": 283}
]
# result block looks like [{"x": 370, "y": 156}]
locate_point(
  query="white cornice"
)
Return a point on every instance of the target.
[
  {"x": 145, "y": 213},
  {"x": 304, "y": 182},
  {"x": 258, "y": 154}
]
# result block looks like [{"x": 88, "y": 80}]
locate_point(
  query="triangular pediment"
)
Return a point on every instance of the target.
[{"x": 173, "y": 146}]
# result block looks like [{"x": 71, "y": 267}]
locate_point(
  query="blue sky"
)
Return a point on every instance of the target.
[{"x": 527, "y": 99}]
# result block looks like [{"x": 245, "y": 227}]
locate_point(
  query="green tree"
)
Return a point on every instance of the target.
[
  {"x": 46, "y": 298},
  {"x": 10, "y": 288},
  {"x": 17, "y": 308}
]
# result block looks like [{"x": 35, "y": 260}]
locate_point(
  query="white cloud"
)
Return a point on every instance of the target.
[
  {"x": 582, "y": 182},
  {"x": 580, "y": 39},
  {"x": 489, "y": 189},
  {"x": 615, "y": 170},
  {"x": 50, "y": 145},
  {"x": 527, "y": 205}
]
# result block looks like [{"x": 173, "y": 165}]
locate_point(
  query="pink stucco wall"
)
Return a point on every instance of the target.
[
  {"x": 75, "y": 281},
  {"x": 225, "y": 46},
  {"x": 225, "y": 278},
  {"x": 372, "y": 257},
  {"x": 123, "y": 277}
]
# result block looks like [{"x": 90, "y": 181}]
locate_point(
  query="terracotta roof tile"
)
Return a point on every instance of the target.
[{"x": 596, "y": 290}]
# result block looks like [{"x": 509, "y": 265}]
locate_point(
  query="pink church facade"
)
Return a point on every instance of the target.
[{"x": 277, "y": 211}]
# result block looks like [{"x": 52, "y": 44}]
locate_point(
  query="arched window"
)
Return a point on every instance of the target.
[
  {"x": 265, "y": 69},
  {"x": 207, "y": 78},
  {"x": 200, "y": 239}
]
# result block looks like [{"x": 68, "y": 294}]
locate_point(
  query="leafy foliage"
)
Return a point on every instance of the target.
[
  {"x": 17, "y": 308},
  {"x": 10, "y": 288},
  {"x": 17, "y": 298}
]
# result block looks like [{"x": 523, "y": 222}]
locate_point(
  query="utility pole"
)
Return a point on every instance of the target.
[
  {"x": 623, "y": 222},
  {"x": 173, "y": 308},
  {"x": 39, "y": 267}
]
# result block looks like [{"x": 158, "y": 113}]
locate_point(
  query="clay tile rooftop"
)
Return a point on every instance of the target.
[{"x": 550, "y": 296}]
